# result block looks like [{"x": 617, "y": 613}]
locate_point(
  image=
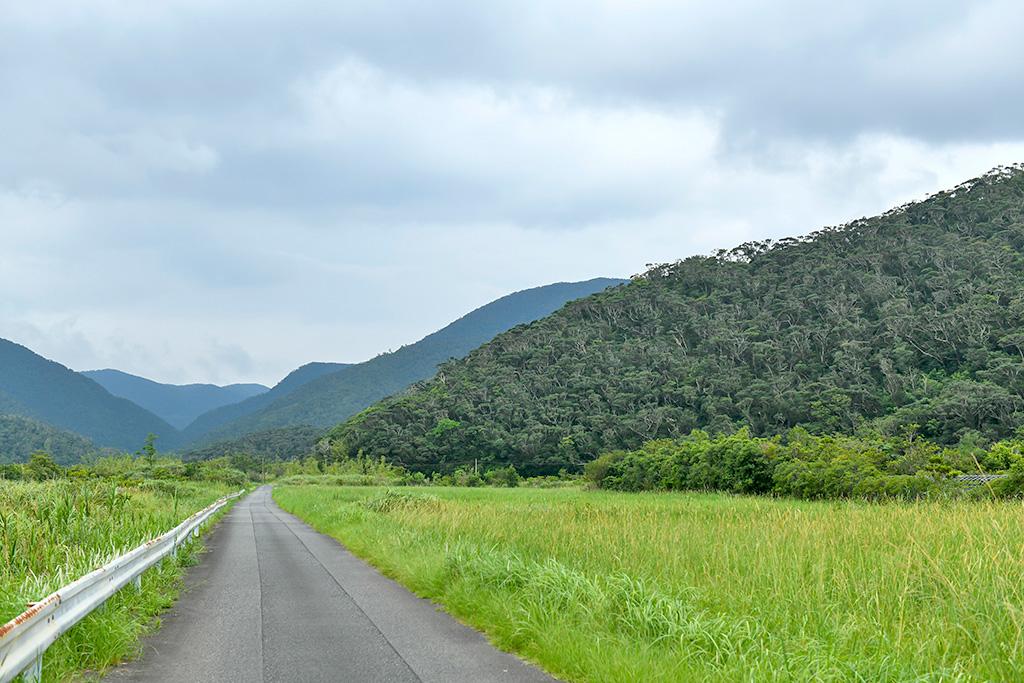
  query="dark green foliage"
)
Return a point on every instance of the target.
[
  {"x": 597, "y": 469},
  {"x": 179, "y": 405},
  {"x": 286, "y": 443},
  {"x": 22, "y": 436},
  {"x": 11, "y": 472},
  {"x": 337, "y": 395},
  {"x": 913, "y": 317},
  {"x": 208, "y": 425},
  {"x": 460, "y": 477},
  {"x": 1013, "y": 485},
  {"x": 735, "y": 463},
  {"x": 802, "y": 465},
  {"x": 502, "y": 476},
  {"x": 148, "y": 469},
  {"x": 32, "y": 386},
  {"x": 41, "y": 467}
]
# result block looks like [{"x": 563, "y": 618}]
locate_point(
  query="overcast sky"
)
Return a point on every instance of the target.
[{"x": 212, "y": 190}]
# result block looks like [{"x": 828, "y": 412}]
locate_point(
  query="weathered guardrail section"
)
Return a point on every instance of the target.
[
  {"x": 975, "y": 480},
  {"x": 24, "y": 639}
]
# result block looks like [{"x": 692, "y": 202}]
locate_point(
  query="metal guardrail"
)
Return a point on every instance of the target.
[
  {"x": 973, "y": 481},
  {"x": 24, "y": 639}
]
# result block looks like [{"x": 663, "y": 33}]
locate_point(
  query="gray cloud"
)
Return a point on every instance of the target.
[{"x": 212, "y": 189}]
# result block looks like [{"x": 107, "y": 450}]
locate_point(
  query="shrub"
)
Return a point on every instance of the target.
[
  {"x": 1012, "y": 485},
  {"x": 42, "y": 467},
  {"x": 800, "y": 465},
  {"x": 640, "y": 471},
  {"x": 502, "y": 476},
  {"x": 596, "y": 470},
  {"x": 413, "y": 479},
  {"x": 462, "y": 477}
]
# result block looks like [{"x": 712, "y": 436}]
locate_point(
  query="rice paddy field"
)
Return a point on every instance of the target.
[
  {"x": 598, "y": 586},
  {"x": 54, "y": 532}
]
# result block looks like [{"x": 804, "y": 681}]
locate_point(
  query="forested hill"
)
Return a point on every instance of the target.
[
  {"x": 213, "y": 420},
  {"x": 912, "y": 317},
  {"x": 32, "y": 386},
  {"x": 337, "y": 395},
  {"x": 22, "y": 436},
  {"x": 283, "y": 443},
  {"x": 178, "y": 404}
]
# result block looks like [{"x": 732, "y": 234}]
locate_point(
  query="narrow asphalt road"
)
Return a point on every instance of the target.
[{"x": 273, "y": 600}]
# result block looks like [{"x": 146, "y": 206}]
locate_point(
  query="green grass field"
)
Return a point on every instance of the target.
[
  {"x": 686, "y": 587},
  {"x": 54, "y": 532}
]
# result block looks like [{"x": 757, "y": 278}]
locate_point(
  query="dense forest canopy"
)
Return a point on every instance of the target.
[
  {"x": 283, "y": 443},
  {"x": 22, "y": 436},
  {"x": 206, "y": 428},
  {"x": 915, "y": 317},
  {"x": 334, "y": 396}
]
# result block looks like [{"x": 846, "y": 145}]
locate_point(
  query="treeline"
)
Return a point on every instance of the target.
[
  {"x": 284, "y": 443},
  {"x": 802, "y": 465},
  {"x": 913, "y": 317},
  {"x": 316, "y": 464},
  {"x": 363, "y": 471},
  {"x": 146, "y": 465}
]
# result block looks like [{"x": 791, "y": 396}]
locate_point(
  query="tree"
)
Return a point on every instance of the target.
[
  {"x": 42, "y": 467},
  {"x": 148, "y": 453}
]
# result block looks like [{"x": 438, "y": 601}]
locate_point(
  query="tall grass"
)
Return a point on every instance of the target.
[
  {"x": 51, "y": 533},
  {"x": 678, "y": 587}
]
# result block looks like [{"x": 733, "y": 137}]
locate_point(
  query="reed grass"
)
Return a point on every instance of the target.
[
  {"x": 54, "y": 532},
  {"x": 599, "y": 586}
]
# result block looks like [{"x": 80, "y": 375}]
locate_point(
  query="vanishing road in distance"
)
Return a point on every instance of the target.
[{"x": 273, "y": 600}]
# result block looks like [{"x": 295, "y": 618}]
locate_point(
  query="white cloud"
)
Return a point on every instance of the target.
[
  {"x": 224, "y": 190},
  {"x": 470, "y": 149}
]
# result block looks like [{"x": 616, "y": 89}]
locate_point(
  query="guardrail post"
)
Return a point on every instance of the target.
[
  {"x": 138, "y": 582},
  {"x": 195, "y": 533},
  {"x": 34, "y": 673}
]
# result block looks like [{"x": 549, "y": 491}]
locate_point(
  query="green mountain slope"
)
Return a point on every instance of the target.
[
  {"x": 337, "y": 395},
  {"x": 179, "y": 405},
  {"x": 283, "y": 443},
  {"x": 22, "y": 436},
  {"x": 912, "y": 317},
  {"x": 47, "y": 391},
  {"x": 213, "y": 420},
  {"x": 9, "y": 406}
]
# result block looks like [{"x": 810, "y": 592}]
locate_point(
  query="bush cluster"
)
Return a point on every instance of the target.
[
  {"x": 362, "y": 471},
  {"x": 126, "y": 470},
  {"x": 801, "y": 465}
]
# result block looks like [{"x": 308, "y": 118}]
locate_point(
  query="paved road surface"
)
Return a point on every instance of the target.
[{"x": 273, "y": 600}]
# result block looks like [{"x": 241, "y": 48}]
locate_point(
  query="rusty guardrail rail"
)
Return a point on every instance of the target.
[{"x": 24, "y": 639}]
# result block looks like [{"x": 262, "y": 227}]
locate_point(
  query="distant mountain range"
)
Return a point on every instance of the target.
[
  {"x": 32, "y": 386},
  {"x": 111, "y": 408},
  {"x": 178, "y": 404},
  {"x": 328, "y": 399},
  {"x": 212, "y": 421}
]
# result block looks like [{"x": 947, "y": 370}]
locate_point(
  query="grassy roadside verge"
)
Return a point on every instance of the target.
[
  {"x": 622, "y": 587},
  {"x": 54, "y": 532}
]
